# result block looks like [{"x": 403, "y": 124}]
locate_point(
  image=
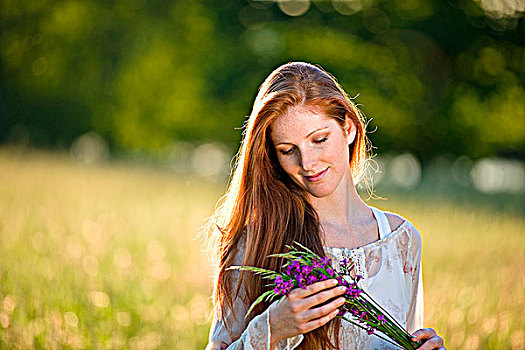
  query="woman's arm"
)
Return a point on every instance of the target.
[
  {"x": 427, "y": 336},
  {"x": 415, "y": 313},
  {"x": 299, "y": 312},
  {"x": 254, "y": 336},
  {"x": 239, "y": 334}
]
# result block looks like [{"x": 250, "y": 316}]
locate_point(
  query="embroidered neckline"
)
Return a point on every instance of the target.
[{"x": 378, "y": 243}]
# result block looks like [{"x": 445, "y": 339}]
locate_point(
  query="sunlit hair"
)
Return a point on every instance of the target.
[{"x": 262, "y": 205}]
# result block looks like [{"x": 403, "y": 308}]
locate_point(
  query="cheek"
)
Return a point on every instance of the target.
[
  {"x": 342, "y": 156},
  {"x": 346, "y": 153},
  {"x": 287, "y": 164}
]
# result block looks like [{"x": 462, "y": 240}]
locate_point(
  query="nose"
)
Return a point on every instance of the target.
[{"x": 308, "y": 160}]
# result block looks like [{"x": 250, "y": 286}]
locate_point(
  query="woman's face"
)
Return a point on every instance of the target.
[{"x": 313, "y": 149}]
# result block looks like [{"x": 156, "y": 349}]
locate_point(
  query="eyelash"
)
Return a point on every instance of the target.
[
  {"x": 291, "y": 149},
  {"x": 284, "y": 153}
]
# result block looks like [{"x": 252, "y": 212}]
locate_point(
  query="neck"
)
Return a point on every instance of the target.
[{"x": 342, "y": 208}]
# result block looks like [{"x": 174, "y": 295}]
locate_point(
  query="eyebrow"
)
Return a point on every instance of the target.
[{"x": 314, "y": 131}]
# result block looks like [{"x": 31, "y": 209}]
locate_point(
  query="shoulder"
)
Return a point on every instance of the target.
[
  {"x": 397, "y": 221},
  {"x": 240, "y": 249},
  {"x": 394, "y": 220},
  {"x": 407, "y": 235}
]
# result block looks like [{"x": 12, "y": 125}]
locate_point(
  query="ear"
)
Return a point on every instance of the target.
[{"x": 350, "y": 130}]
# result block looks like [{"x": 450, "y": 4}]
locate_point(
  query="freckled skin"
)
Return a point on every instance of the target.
[{"x": 310, "y": 153}]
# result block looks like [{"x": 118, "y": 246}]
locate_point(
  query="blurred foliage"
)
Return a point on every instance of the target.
[{"x": 436, "y": 77}]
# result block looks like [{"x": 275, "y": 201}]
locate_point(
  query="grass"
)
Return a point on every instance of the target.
[{"x": 107, "y": 257}]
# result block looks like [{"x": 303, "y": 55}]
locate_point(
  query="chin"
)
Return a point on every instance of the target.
[
  {"x": 315, "y": 192},
  {"x": 319, "y": 193}
]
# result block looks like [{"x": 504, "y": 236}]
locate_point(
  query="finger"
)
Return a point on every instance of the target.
[
  {"x": 318, "y": 322},
  {"x": 324, "y": 310},
  {"x": 323, "y": 296},
  {"x": 424, "y": 333},
  {"x": 300, "y": 293},
  {"x": 432, "y": 343}
]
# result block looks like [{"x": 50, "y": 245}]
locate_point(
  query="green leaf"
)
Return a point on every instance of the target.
[
  {"x": 306, "y": 249},
  {"x": 289, "y": 255},
  {"x": 254, "y": 269},
  {"x": 259, "y": 300}
]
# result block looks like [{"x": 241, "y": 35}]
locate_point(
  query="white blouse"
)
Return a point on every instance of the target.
[{"x": 391, "y": 270}]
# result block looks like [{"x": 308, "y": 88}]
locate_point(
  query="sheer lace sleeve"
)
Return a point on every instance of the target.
[
  {"x": 415, "y": 313},
  {"x": 254, "y": 335}
]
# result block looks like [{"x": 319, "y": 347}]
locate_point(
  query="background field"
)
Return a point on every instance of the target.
[
  {"x": 118, "y": 120},
  {"x": 107, "y": 257}
]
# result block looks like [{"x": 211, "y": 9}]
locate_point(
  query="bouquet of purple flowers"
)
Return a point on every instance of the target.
[{"x": 303, "y": 267}]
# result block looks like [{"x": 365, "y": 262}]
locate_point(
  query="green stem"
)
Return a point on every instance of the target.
[
  {"x": 389, "y": 329},
  {"x": 386, "y": 313},
  {"x": 392, "y": 323},
  {"x": 360, "y": 326}
]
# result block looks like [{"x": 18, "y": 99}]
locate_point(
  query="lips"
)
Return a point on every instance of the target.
[{"x": 317, "y": 177}]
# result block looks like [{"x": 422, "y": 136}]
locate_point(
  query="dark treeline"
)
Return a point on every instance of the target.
[{"x": 434, "y": 77}]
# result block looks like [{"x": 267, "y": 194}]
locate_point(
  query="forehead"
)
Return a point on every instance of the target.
[{"x": 299, "y": 122}]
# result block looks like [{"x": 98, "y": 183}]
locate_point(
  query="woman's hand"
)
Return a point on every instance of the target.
[
  {"x": 297, "y": 313},
  {"x": 429, "y": 338}
]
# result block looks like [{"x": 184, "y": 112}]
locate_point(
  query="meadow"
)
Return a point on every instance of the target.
[{"x": 107, "y": 256}]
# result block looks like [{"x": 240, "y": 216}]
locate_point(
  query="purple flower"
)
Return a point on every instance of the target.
[
  {"x": 306, "y": 269},
  {"x": 342, "y": 281},
  {"x": 351, "y": 292},
  {"x": 301, "y": 280},
  {"x": 282, "y": 287},
  {"x": 311, "y": 279},
  {"x": 309, "y": 268},
  {"x": 323, "y": 277},
  {"x": 315, "y": 263}
]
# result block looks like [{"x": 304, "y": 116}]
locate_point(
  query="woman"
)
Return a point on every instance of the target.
[{"x": 303, "y": 151}]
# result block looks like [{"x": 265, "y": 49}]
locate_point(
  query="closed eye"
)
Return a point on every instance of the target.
[
  {"x": 321, "y": 140},
  {"x": 287, "y": 151}
]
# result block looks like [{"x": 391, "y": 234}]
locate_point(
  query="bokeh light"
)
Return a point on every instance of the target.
[
  {"x": 496, "y": 175},
  {"x": 89, "y": 148},
  {"x": 294, "y": 7}
]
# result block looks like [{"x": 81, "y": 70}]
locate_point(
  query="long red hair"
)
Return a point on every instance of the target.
[{"x": 262, "y": 204}]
